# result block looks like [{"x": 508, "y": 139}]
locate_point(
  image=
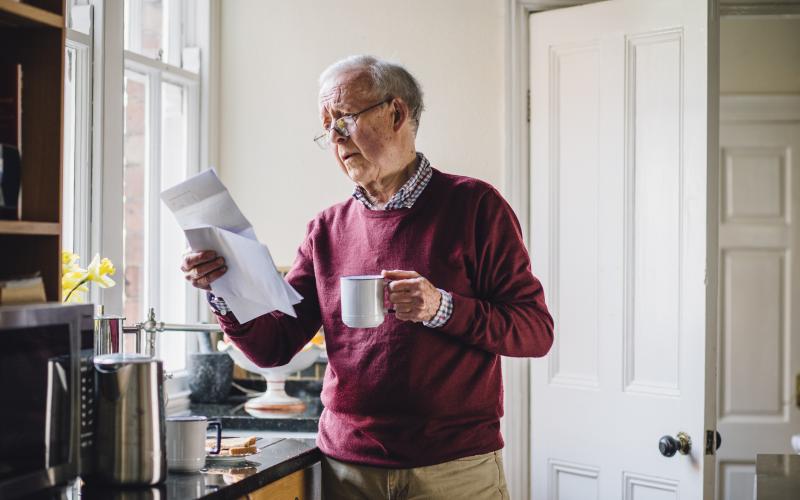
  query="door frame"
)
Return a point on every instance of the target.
[
  {"x": 516, "y": 426},
  {"x": 516, "y": 371}
]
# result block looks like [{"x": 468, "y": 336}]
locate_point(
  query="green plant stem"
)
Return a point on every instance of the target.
[{"x": 84, "y": 280}]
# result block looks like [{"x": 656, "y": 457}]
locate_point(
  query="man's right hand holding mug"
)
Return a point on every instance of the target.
[{"x": 202, "y": 268}]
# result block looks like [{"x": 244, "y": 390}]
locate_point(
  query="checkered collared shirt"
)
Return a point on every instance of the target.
[
  {"x": 407, "y": 194},
  {"x": 404, "y": 198}
]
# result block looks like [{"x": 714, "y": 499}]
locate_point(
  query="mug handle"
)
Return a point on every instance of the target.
[
  {"x": 386, "y": 310},
  {"x": 218, "y": 425}
]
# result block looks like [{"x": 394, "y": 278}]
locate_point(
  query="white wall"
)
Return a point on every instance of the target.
[
  {"x": 759, "y": 55},
  {"x": 271, "y": 55}
]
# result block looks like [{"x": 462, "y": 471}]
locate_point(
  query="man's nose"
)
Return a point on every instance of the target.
[{"x": 338, "y": 137}]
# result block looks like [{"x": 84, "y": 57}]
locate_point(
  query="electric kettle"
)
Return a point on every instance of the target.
[{"x": 130, "y": 446}]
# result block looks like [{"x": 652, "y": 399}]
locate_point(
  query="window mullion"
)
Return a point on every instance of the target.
[
  {"x": 192, "y": 103},
  {"x": 107, "y": 144},
  {"x": 133, "y": 32},
  {"x": 174, "y": 32},
  {"x": 142, "y": 63},
  {"x": 83, "y": 148},
  {"x": 152, "y": 183}
]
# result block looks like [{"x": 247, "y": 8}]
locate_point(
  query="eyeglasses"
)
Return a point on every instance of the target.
[{"x": 344, "y": 125}]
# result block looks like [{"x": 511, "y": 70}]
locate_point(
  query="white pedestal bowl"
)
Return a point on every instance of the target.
[{"x": 275, "y": 402}]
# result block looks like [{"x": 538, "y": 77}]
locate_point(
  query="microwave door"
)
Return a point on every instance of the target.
[{"x": 57, "y": 423}]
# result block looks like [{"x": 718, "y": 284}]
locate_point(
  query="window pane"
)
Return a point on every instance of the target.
[
  {"x": 146, "y": 26},
  {"x": 68, "y": 200},
  {"x": 135, "y": 166},
  {"x": 173, "y": 170},
  {"x": 75, "y": 202},
  {"x": 80, "y": 16}
]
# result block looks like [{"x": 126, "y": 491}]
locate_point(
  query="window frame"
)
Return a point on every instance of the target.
[
  {"x": 107, "y": 131},
  {"x": 157, "y": 72},
  {"x": 79, "y": 179},
  {"x": 81, "y": 176}
]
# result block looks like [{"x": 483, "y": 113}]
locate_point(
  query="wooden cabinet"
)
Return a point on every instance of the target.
[
  {"x": 301, "y": 485},
  {"x": 32, "y": 37}
]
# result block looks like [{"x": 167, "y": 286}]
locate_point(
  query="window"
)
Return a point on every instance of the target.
[
  {"x": 129, "y": 132},
  {"x": 77, "y": 131},
  {"x": 160, "y": 148}
]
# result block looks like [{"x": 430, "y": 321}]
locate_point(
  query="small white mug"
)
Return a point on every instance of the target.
[
  {"x": 363, "y": 300},
  {"x": 186, "y": 442}
]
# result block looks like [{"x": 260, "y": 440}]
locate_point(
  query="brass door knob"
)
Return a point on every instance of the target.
[{"x": 669, "y": 446}]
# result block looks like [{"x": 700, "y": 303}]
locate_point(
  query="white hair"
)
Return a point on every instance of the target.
[{"x": 388, "y": 80}]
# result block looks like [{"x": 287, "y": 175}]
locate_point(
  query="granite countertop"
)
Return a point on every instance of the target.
[
  {"x": 281, "y": 453},
  {"x": 278, "y": 458},
  {"x": 235, "y": 416},
  {"x": 777, "y": 477}
]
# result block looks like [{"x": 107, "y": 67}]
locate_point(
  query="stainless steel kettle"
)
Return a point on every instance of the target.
[{"x": 130, "y": 445}]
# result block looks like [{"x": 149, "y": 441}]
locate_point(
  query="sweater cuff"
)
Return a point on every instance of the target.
[
  {"x": 462, "y": 315},
  {"x": 443, "y": 313}
]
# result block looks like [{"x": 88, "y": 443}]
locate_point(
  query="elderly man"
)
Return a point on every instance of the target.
[{"x": 413, "y": 406}]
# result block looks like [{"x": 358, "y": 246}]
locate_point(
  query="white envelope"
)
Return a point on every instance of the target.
[{"x": 211, "y": 220}]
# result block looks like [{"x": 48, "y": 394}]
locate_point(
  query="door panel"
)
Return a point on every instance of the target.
[
  {"x": 736, "y": 480},
  {"x": 759, "y": 340},
  {"x": 620, "y": 234},
  {"x": 575, "y": 80},
  {"x": 653, "y": 168}
]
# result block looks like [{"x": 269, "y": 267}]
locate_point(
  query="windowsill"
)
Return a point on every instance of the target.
[
  {"x": 177, "y": 392},
  {"x": 178, "y": 402}
]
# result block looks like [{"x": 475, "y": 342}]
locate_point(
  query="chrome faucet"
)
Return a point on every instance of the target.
[{"x": 146, "y": 331}]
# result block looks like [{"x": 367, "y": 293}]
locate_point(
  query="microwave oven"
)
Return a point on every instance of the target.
[{"x": 46, "y": 395}]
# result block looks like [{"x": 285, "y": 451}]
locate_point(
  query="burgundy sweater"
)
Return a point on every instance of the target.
[{"x": 404, "y": 395}]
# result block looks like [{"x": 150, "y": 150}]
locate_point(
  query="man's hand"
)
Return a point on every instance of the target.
[
  {"x": 414, "y": 298},
  {"x": 202, "y": 268}
]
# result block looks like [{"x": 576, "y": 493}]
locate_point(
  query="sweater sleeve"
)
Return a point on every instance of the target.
[
  {"x": 274, "y": 338},
  {"x": 507, "y": 314}
]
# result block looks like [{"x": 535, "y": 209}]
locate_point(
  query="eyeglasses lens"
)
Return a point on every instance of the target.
[{"x": 343, "y": 126}]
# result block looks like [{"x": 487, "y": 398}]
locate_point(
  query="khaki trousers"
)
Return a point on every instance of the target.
[{"x": 472, "y": 478}]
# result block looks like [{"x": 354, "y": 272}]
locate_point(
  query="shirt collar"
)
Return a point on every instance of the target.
[{"x": 407, "y": 194}]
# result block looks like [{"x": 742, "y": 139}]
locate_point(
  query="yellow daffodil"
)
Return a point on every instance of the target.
[
  {"x": 75, "y": 280},
  {"x": 100, "y": 270},
  {"x": 69, "y": 260},
  {"x": 72, "y": 278},
  {"x": 74, "y": 293}
]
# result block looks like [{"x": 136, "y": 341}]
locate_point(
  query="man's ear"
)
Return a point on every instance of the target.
[{"x": 400, "y": 113}]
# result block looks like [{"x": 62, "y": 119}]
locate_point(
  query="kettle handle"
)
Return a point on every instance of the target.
[{"x": 104, "y": 369}]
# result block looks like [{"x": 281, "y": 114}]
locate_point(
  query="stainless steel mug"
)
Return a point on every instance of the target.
[
  {"x": 108, "y": 334},
  {"x": 130, "y": 446}
]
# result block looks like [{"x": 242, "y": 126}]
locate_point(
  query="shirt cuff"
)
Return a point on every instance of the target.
[
  {"x": 217, "y": 304},
  {"x": 443, "y": 314}
]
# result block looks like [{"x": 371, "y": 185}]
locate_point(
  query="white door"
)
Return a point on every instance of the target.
[
  {"x": 759, "y": 236},
  {"x": 624, "y": 225}
]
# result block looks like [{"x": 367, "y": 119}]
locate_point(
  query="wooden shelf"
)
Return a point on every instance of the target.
[
  {"x": 32, "y": 43},
  {"x": 13, "y": 13},
  {"x": 29, "y": 227}
]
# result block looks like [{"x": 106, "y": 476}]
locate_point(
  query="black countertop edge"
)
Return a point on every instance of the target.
[
  {"x": 276, "y": 425},
  {"x": 278, "y": 469},
  {"x": 278, "y": 459}
]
